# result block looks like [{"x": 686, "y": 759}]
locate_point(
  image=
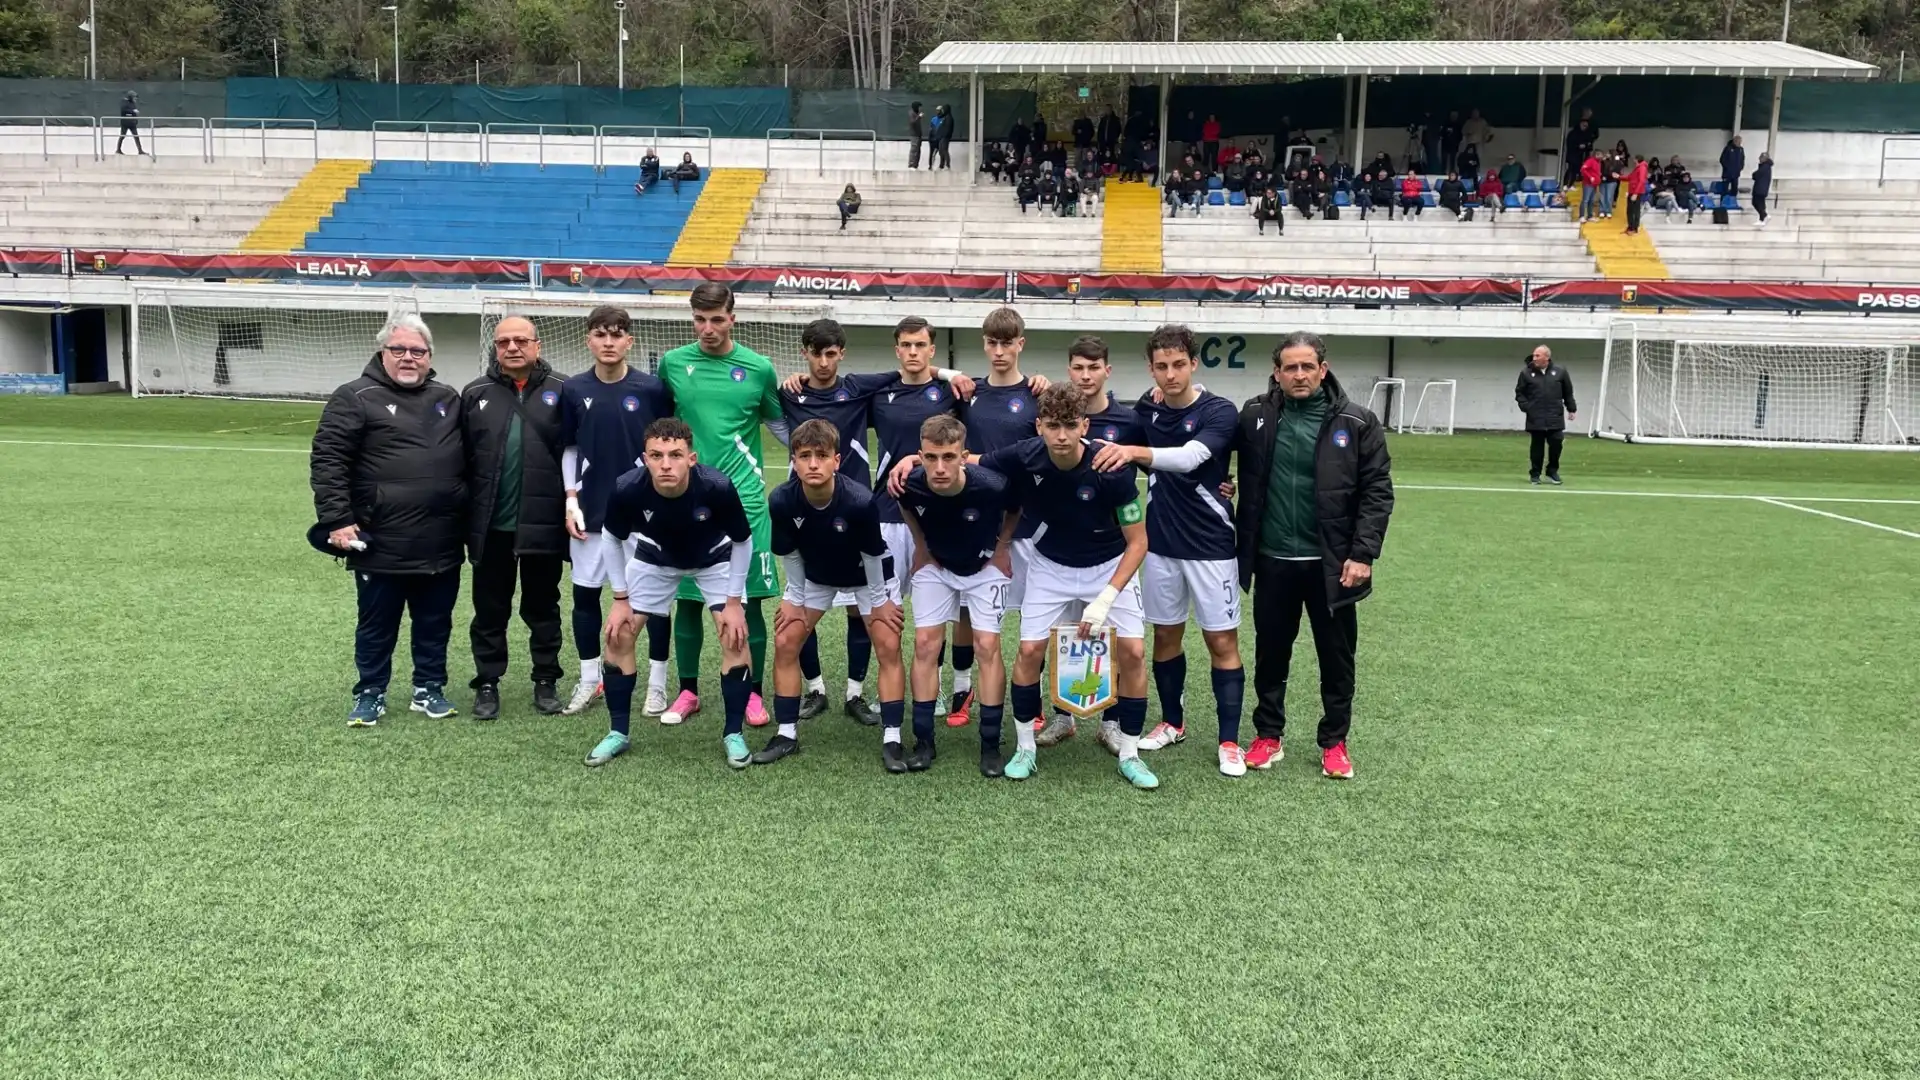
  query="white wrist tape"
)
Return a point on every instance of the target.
[
  {"x": 1096, "y": 614},
  {"x": 575, "y": 514}
]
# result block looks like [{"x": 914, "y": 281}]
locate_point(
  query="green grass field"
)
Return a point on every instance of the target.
[{"x": 1636, "y": 797}]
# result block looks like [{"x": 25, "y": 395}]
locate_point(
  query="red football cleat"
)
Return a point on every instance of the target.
[
  {"x": 959, "y": 716},
  {"x": 1264, "y": 753},
  {"x": 1334, "y": 763}
]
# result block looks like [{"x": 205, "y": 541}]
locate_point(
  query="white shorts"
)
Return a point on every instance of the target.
[
  {"x": 939, "y": 594},
  {"x": 1022, "y": 551},
  {"x": 651, "y": 589},
  {"x": 1056, "y": 596},
  {"x": 899, "y": 540},
  {"x": 589, "y": 560},
  {"x": 1211, "y": 588},
  {"x": 817, "y": 597}
]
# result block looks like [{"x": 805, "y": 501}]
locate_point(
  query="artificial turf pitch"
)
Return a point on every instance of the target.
[{"x": 1635, "y": 798}]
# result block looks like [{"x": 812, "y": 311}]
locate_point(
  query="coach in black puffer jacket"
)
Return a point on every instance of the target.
[
  {"x": 389, "y": 469},
  {"x": 517, "y": 522}
]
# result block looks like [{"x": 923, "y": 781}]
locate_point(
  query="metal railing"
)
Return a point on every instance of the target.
[
  {"x": 514, "y": 135},
  {"x": 421, "y": 133},
  {"x": 1887, "y": 144},
  {"x": 283, "y": 131},
  {"x": 52, "y": 127},
  {"x": 183, "y": 132},
  {"x": 639, "y": 137},
  {"x": 822, "y": 136}
]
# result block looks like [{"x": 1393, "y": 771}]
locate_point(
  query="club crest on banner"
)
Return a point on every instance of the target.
[
  {"x": 1081, "y": 675},
  {"x": 100, "y": 264},
  {"x": 1629, "y": 293},
  {"x": 575, "y": 275}
]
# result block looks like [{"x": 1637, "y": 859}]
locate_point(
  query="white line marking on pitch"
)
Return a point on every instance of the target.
[
  {"x": 1839, "y": 517},
  {"x": 1556, "y": 492},
  {"x": 156, "y": 446}
]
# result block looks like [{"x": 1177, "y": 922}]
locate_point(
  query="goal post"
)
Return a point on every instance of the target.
[
  {"x": 1803, "y": 386},
  {"x": 660, "y": 324},
  {"x": 254, "y": 342}
]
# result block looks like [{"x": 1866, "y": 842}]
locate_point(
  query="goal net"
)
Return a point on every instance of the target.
[
  {"x": 1433, "y": 413},
  {"x": 250, "y": 342},
  {"x": 1798, "y": 386},
  {"x": 660, "y": 324}
]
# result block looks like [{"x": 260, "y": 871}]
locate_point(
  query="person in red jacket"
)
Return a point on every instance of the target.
[
  {"x": 1491, "y": 191},
  {"x": 1590, "y": 173},
  {"x": 1410, "y": 201},
  {"x": 1210, "y": 142},
  {"x": 1636, "y": 193}
]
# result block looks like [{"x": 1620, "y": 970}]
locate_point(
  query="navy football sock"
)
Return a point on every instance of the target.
[
  {"x": 1170, "y": 678},
  {"x": 1026, "y": 702},
  {"x": 586, "y": 621},
  {"x": 619, "y": 686},
  {"x": 734, "y": 690},
  {"x": 892, "y": 713},
  {"x": 786, "y": 713},
  {"x": 923, "y": 721},
  {"x": 1131, "y": 714},
  {"x": 810, "y": 657},
  {"x": 990, "y": 724},
  {"x": 859, "y": 647},
  {"x": 659, "y": 637},
  {"x": 1229, "y": 690}
]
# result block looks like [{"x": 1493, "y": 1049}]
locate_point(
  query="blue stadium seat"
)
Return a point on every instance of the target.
[
  {"x": 1428, "y": 183},
  {"x": 1236, "y": 198},
  {"x": 1529, "y": 185},
  {"x": 1428, "y": 199},
  {"x": 1216, "y": 198},
  {"x": 1700, "y": 187},
  {"x": 1719, "y": 187},
  {"x": 1471, "y": 185},
  {"x": 1533, "y": 201},
  {"x": 1214, "y": 184},
  {"x": 1549, "y": 186},
  {"x": 1512, "y": 201},
  {"x": 1730, "y": 203},
  {"x": 1341, "y": 198},
  {"x": 1281, "y": 195}
]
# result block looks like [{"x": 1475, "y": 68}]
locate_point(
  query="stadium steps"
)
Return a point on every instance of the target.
[
  {"x": 1617, "y": 255},
  {"x": 286, "y": 226},
  {"x": 1130, "y": 230},
  {"x": 719, "y": 215}
]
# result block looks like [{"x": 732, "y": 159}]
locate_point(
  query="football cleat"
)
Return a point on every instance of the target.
[
  {"x": 656, "y": 702},
  {"x": 683, "y": 708},
  {"x": 921, "y": 758},
  {"x": 1058, "y": 729},
  {"x": 756, "y": 711},
  {"x": 1021, "y": 766},
  {"x": 1137, "y": 774},
  {"x": 777, "y": 747},
  {"x": 813, "y": 704},
  {"x": 962, "y": 707},
  {"x": 584, "y": 695},
  {"x": 893, "y": 758},
  {"x": 1232, "y": 761},
  {"x": 607, "y": 749},
  {"x": 737, "y": 755},
  {"x": 1162, "y": 736},
  {"x": 862, "y": 711}
]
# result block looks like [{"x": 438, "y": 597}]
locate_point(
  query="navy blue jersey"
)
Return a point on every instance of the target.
[
  {"x": 1078, "y": 510},
  {"x": 961, "y": 529},
  {"x": 830, "y": 539},
  {"x": 691, "y": 531},
  {"x": 844, "y": 405},
  {"x": 607, "y": 422},
  {"x": 999, "y": 416},
  {"x": 1117, "y": 423},
  {"x": 1186, "y": 517},
  {"x": 897, "y": 411}
]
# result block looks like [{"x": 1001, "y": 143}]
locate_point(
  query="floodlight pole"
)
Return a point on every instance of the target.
[
  {"x": 93, "y": 38},
  {"x": 621, "y": 51},
  {"x": 394, "y": 8}
]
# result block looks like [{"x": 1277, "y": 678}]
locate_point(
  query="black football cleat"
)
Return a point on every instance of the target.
[
  {"x": 546, "y": 699},
  {"x": 921, "y": 759},
  {"x": 861, "y": 711},
  {"x": 777, "y": 747},
  {"x": 992, "y": 765},
  {"x": 813, "y": 704},
  {"x": 893, "y": 758}
]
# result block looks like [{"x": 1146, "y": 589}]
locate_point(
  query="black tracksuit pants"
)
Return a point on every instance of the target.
[
  {"x": 493, "y": 581},
  {"x": 1545, "y": 444},
  {"x": 1281, "y": 589},
  {"x": 383, "y": 599}
]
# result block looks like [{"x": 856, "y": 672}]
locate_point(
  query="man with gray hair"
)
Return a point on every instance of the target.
[
  {"x": 1544, "y": 393},
  {"x": 388, "y": 471}
]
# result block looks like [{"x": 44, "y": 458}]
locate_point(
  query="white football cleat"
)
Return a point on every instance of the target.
[
  {"x": 1162, "y": 736},
  {"x": 584, "y": 695},
  {"x": 1109, "y": 736},
  {"x": 1233, "y": 761},
  {"x": 656, "y": 701}
]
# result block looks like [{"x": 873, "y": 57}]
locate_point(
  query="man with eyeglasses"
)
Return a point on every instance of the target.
[
  {"x": 389, "y": 487},
  {"x": 516, "y": 520}
]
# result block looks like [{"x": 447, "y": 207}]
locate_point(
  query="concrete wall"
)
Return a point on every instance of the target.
[{"x": 26, "y": 342}]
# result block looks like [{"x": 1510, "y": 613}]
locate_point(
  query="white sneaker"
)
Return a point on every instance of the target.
[
  {"x": 1233, "y": 760},
  {"x": 584, "y": 695},
  {"x": 656, "y": 701},
  {"x": 1162, "y": 736},
  {"x": 1109, "y": 736}
]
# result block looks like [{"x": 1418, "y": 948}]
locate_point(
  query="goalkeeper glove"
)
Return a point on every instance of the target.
[
  {"x": 1096, "y": 614},
  {"x": 574, "y": 515}
]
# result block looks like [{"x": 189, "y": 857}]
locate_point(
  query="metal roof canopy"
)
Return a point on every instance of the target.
[{"x": 1739, "y": 59}]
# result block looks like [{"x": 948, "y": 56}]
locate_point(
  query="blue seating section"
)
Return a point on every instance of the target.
[{"x": 505, "y": 211}]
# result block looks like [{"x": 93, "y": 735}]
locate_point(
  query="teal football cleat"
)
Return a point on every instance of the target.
[
  {"x": 368, "y": 707},
  {"x": 737, "y": 755},
  {"x": 607, "y": 749},
  {"x": 1138, "y": 774},
  {"x": 1021, "y": 766}
]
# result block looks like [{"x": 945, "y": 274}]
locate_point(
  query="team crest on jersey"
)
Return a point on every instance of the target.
[
  {"x": 630, "y": 403},
  {"x": 1014, "y": 405},
  {"x": 969, "y": 514},
  {"x": 440, "y": 407},
  {"x": 1340, "y": 438},
  {"x": 1085, "y": 494},
  {"x": 841, "y": 395},
  {"x": 933, "y": 392},
  {"x": 738, "y": 374},
  {"x": 701, "y": 514},
  {"x": 1112, "y": 434},
  {"x": 839, "y": 525},
  {"x": 550, "y": 398},
  {"x": 1188, "y": 426}
]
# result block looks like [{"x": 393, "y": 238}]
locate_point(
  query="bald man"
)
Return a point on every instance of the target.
[
  {"x": 1545, "y": 394},
  {"x": 516, "y": 527}
]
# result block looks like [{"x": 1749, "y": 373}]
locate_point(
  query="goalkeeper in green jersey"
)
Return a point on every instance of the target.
[{"x": 725, "y": 391}]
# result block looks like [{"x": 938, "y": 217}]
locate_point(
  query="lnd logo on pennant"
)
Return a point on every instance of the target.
[{"x": 1082, "y": 671}]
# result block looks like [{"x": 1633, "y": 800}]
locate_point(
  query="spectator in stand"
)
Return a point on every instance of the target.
[
  {"x": 1083, "y": 132},
  {"x": 1512, "y": 174},
  {"x": 1266, "y": 207},
  {"x": 1636, "y": 194},
  {"x": 849, "y": 205},
  {"x": 941, "y": 137},
  {"x": 1303, "y": 195},
  {"x": 1476, "y": 132},
  {"x": 1410, "y": 201},
  {"x": 1417, "y": 143},
  {"x": 1088, "y": 163},
  {"x": 1342, "y": 176},
  {"x": 1612, "y": 169},
  {"x": 1579, "y": 147},
  {"x": 1679, "y": 188},
  {"x": 916, "y": 132},
  {"x": 1449, "y": 141},
  {"x": 649, "y": 172},
  {"x": 1039, "y": 131},
  {"x": 1021, "y": 137},
  {"x": 1049, "y": 189},
  {"x": 1453, "y": 194},
  {"x": 994, "y": 162},
  {"x": 1068, "y": 202},
  {"x": 1299, "y": 151},
  {"x": 1257, "y": 178},
  {"x": 1130, "y": 161},
  {"x": 1382, "y": 193},
  {"x": 1234, "y": 176},
  {"x": 1762, "y": 186},
  {"x": 1468, "y": 163},
  {"x": 1491, "y": 192},
  {"x": 1733, "y": 162},
  {"x": 1229, "y": 154},
  {"x": 685, "y": 173},
  {"x": 129, "y": 123},
  {"x": 1363, "y": 192},
  {"x": 1106, "y": 134},
  {"x": 1091, "y": 185},
  {"x": 1170, "y": 193},
  {"x": 1026, "y": 190},
  {"x": 1149, "y": 162},
  {"x": 1210, "y": 141},
  {"x": 1590, "y": 175}
]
